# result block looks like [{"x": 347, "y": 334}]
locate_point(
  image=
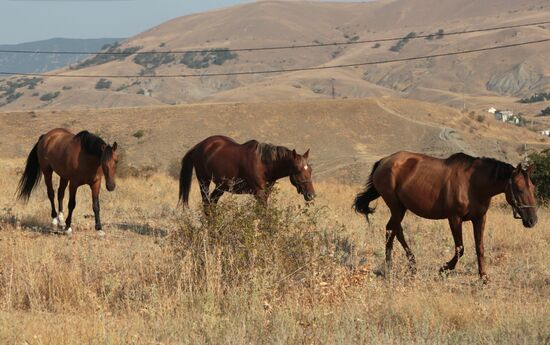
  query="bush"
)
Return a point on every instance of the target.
[
  {"x": 66, "y": 87},
  {"x": 153, "y": 60},
  {"x": 121, "y": 54},
  {"x": 242, "y": 242},
  {"x": 541, "y": 173},
  {"x": 539, "y": 97},
  {"x": 402, "y": 42},
  {"x": 103, "y": 84},
  {"x": 49, "y": 96},
  {"x": 139, "y": 134},
  {"x": 203, "y": 59},
  {"x": 545, "y": 111}
]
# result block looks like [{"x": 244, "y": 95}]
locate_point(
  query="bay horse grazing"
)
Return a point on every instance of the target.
[
  {"x": 458, "y": 188},
  {"x": 249, "y": 168},
  {"x": 78, "y": 159}
]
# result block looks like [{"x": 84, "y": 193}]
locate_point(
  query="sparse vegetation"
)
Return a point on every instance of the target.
[
  {"x": 49, "y": 96},
  {"x": 539, "y": 97},
  {"x": 402, "y": 42},
  {"x": 438, "y": 35},
  {"x": 545, "y": 111},
  {"x": 152, "y": 61},
  {"x": 198, "y": 60},
  {"x": 66, "y": 87},
  {"x": 113, "y": 53},
  {"x": 376, "y": 45},
  {"x": 103, "y": 84},
  {"x": 139, "y": 134},
  {"x": 10, "y": 87}
]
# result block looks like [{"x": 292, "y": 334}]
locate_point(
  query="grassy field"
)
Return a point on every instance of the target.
[{"x": 290, "y": 274}]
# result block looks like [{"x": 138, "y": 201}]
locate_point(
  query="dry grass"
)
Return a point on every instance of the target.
[{"x": 292, "y": 275}]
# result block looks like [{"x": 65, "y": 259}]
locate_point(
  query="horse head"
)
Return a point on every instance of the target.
[
  {"x": 300, "y": 175},
  {"x": 109, "y": 160},
  {"x": 520, "y": 194}
]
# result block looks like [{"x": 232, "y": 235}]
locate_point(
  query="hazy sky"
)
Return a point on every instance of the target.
[{"x": 32, "y": 20}]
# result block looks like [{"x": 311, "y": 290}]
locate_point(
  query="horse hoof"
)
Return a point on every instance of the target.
[
  {"x": 100, "y": 233},
  {"x": 69, "y": 231},
  {"x": 61, "y": 219},
  {"x": 485, "y": 279},
  {"x": 55, "y": 222}
]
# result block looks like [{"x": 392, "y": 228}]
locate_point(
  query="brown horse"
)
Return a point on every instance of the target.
[
  {"x": 249, "y": 168},
  {"x": 78, "y": 159},
  {"x": 458, "y": 188}
]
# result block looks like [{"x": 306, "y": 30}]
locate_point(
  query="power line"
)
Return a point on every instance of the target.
[
  {"x": 313, "y": 45},
  {"x": 221, "y": 74}
]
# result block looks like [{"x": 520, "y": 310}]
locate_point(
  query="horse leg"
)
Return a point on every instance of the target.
[
  {"x": 392, "y": 228},
  {"x": 95, "y": 205},
  {"x": 60, "y": 195},
  {"x": 51, "y": 194},
  {"x": 204, "y": 186},
  {"x": 479, "y": 227},
  {"x": 456, "y": 228},
  {"x": 408, "y": 251},
  {"x": 72, "y": 204},
  {"x": 216, "y": 195},
  {"x": 262, "y": 195}
]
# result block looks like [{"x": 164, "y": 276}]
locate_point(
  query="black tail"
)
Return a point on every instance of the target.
[
  {"x": 362, "y": 200},
  {"x": 185, "y": 176},
  {"x": 31, "y": 175}
]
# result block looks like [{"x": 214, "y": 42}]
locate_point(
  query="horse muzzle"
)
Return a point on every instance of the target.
[
  {"x": 529, "y": 223},
  {"x": 111, "y": 187},
  {"x": 309, "y": 197}
]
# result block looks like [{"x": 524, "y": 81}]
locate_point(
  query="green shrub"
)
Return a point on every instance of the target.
[
  {"x": 121, "y": 54},
  {"x": 545, "y": 111},
  {"x": 49, "y": 96},
  {"x": 198, "y": 60},
  {"x": 402, "y": 42},
  {"x": 103, "y": 84},
  {"x": 139, "y": 134},
  {"x": 541, "y": 173},
  {"x": 539, "y": 97}
]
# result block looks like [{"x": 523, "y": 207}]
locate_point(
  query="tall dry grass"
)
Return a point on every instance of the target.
[{"x": 289, "y": 274}]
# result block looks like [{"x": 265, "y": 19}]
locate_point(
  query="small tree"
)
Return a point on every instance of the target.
[
  {"x": 103, "y": 84},
  {"x": 541, "y": 173},
  {"x": 545, "y": 111}
]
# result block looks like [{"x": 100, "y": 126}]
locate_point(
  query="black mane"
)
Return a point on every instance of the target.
[
  {"x": 94, "y": 145},
  {"x": 499, "y": 170},
  {"x": 270, "y": 153}
]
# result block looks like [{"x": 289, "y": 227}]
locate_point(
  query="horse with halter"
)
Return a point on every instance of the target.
[
  {"x": 78, "y": 159},
  {"x": 249, "y": 168},
  {"x": 459, "y": 188}
]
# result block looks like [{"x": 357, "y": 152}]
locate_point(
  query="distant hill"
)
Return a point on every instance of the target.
[
  {"x": 33, "y": 63},
  {"x": 483, "y": 79}
]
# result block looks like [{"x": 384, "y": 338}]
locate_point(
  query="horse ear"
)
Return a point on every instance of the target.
[
  {"x": 115, "y": 145},
  {"x": 306, "y": 155},
  {"x": 519, "y": 168},
  {"x": 103, "y": 146},
  {"x": 294, "y": 154}
]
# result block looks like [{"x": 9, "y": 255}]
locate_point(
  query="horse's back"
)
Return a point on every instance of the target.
[
  {"x": 421, "y": 183},
  {"x": 221, "y": 156}
]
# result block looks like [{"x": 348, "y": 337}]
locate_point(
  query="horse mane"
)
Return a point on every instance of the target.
[
  {"x": 270, "y": 153},
  {"x": 499, "y": 170},
  {"x": 93, "y": 145}
]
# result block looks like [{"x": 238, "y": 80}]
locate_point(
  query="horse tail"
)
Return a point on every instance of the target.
[
  {"x": 362, "y": 200},
  {"x": 186, "y": 174},
  {"x": 31, "y": 176}
]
